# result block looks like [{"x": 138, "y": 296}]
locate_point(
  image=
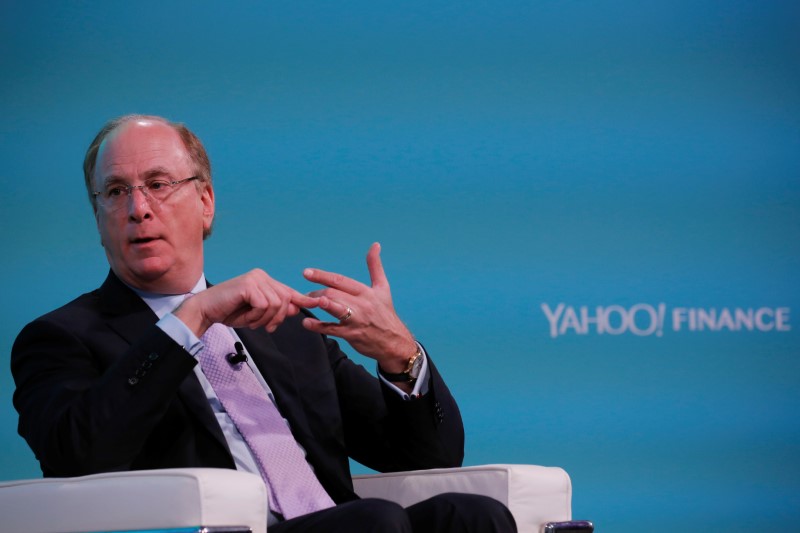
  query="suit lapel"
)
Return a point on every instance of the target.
[
  {"x": 126, "y": 313},
  {"x": 131, "y": 317}
]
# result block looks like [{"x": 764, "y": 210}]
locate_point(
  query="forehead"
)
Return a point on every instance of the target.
[{"x": 137, "y": 148}]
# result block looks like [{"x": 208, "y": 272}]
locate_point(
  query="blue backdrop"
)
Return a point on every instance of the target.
[{"x": 589, "y": 211}]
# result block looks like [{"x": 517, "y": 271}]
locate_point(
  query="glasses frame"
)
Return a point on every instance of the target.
[{"x": 98, "y": 195}]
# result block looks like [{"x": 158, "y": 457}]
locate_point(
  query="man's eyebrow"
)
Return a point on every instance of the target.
[
  {"x": 148, "y": 174},
  {"x": 113, "y": 178},
  {"x": 156, "y": 172}
]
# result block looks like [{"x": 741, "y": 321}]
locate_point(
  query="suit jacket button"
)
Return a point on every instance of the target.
[{"x": 133, "y": 380}]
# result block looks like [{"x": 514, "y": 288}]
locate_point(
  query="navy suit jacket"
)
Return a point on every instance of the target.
[{"x": 99, "y": 387}]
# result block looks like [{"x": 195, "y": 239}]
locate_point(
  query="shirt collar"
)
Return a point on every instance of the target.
[{"x": 161, "y": 304}]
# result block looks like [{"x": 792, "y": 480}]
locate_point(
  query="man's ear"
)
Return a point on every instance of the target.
[{"x": 207, "y": 198}]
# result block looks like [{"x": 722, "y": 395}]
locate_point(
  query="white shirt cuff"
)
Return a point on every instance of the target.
[
  {"x": 180, "y": 333},
  {"x": 421, "y": 385}
]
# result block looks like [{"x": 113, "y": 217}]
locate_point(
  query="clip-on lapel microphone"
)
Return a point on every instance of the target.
[{"x": 239, "y": 356}]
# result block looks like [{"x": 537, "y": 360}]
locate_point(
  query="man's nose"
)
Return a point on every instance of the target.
[{"x": 138, "y": 203}]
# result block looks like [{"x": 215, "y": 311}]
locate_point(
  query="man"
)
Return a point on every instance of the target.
[{"x": 135, "y": 374}]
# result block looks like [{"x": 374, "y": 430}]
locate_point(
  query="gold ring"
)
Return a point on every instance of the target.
[{"x": 347, "y": 315}]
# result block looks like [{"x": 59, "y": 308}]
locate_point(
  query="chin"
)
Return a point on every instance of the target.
[{"x": 143, "y": 275}]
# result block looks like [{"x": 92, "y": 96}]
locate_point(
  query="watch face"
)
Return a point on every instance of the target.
[{"x": 416, "y": 368}]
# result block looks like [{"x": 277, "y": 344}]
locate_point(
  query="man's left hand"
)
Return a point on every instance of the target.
[{"x": 367, "y": 319}]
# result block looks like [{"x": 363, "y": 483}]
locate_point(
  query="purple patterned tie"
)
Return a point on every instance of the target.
[{"x": 294, "y": 489}]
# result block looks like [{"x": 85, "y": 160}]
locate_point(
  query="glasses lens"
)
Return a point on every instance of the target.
[
  {"x": 156, "y": 191},
  {"x": 114, "y": 197}
]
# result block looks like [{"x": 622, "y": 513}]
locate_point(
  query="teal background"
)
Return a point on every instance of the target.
[{"x": 506, "y": 155}]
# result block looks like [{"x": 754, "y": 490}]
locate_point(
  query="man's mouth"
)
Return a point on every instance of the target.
[{"x": 143, "y": 240}]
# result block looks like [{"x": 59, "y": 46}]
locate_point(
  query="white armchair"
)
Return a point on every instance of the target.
[{"x": 227, "y": 501}]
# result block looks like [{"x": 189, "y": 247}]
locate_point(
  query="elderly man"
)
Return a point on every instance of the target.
[{"x": 158, "y": 369}]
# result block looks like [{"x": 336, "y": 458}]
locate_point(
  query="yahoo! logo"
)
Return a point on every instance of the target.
[{"x": 646, "y": 319}]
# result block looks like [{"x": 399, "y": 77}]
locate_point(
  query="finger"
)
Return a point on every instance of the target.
[
  {"x": 245, "y": 300},
  {"x": 266, "y": 303},
  {"x": 238, "y": 319},
  {"x": 332, "y": 294},
  {"x": 376, "y": 273},
  {"x": 288, "y": 303},
  {"x": 282, "y": 291},
  {"x": 278, "y": 318},
  {"x": 333, "y": 280},
  {"x": 325, "y": 328},
  {"x": 250, "y": 317},
  {"x": 304, "y": 300},
  {"x": 319, "y": 293},
  {"x": 338, "y": 310}
]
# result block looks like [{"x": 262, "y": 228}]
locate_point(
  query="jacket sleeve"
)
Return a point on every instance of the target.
[
  {"x": 88, "y": 406},
  {"x": 387, "y": 433}
]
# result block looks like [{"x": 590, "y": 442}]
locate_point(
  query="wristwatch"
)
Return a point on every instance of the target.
[{"x": 410, "y": 374}]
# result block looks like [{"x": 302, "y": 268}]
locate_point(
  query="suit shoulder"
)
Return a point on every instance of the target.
[
  {"x": 77, "y": 309},
  {"x": 73, "y": 316}
]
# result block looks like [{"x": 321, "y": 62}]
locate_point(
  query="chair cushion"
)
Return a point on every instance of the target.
[
  {"x": 535, "y": 495},
  {"x": 138, "y": 500}
]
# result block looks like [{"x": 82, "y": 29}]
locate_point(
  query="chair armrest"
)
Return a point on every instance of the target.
[
  {"x": 137, "y": 500},
  {"x": 535, "y": 495}
]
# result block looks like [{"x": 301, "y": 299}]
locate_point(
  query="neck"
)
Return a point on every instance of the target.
[{"x": 164, "y": 288}]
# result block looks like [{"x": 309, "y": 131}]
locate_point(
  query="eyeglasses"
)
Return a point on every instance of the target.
[{"x": 115, "y": 196}]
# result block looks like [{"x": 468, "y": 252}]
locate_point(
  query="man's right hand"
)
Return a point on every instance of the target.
[{"x": 252, "y": 300}]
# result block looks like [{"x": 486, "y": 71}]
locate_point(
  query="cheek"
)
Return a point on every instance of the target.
[
  {"x": 105, "y": 227},
  {"x": 189, "y": 223}
]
